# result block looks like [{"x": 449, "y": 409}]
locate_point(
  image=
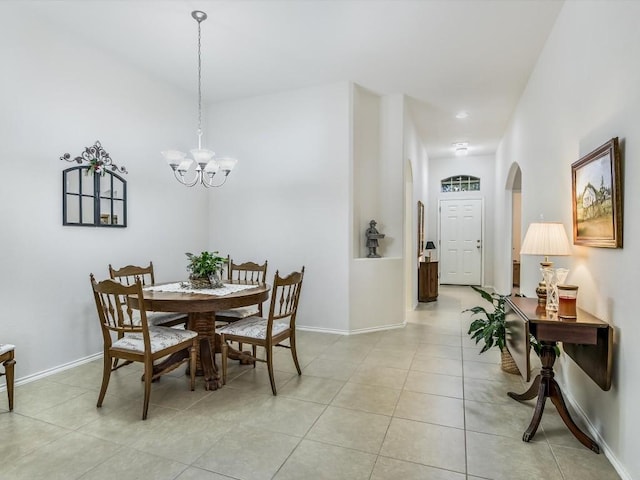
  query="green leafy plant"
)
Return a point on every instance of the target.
[
  {"x": 490, "y": 327},
  {"x": 205, "y": 264}
]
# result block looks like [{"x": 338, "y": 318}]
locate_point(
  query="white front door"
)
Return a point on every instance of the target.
[{"x": 461, "y": 242}]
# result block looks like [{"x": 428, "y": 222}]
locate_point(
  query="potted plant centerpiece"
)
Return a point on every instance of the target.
[
  {"x": 491, "y": 327},
  {"x": 206, "y": 269}
]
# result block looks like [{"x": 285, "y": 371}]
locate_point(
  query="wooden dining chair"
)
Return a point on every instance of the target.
[
  {"x": 8, "y": 362},
  {"x": 268, "y": 332},
  {"x": 248, "y": 273},
  {"x": 138, "y": 341},
  {"x": 127, "y": 275}
]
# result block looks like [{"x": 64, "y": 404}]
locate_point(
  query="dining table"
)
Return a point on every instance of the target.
[{"x": 201, "y": 306}]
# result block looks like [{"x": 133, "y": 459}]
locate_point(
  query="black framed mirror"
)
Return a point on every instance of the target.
[{"x": 93, "y": 199}]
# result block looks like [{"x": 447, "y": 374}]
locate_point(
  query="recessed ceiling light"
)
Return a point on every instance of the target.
[
  {"x": 462, "y": 115},
  {"x": 461, "y": 148}
]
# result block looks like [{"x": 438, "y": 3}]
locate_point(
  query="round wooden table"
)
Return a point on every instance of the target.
[{"x": 201, "y": 309}]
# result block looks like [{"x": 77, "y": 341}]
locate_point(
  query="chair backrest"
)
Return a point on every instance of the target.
[
  {"x": 285, "y": 294},
  {"x": 127, "y": 275},
  {"x": 247, "y": 272},
  {"x": 115, "y": 313}
]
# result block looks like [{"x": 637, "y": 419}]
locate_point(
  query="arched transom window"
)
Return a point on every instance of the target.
[{"x": 460, "y": 183}]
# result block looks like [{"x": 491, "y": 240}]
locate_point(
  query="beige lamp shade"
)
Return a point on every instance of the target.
[{"x": 546, "y": 238}]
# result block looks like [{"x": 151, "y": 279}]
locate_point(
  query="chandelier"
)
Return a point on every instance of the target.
[{"x": 206, "y": 165}]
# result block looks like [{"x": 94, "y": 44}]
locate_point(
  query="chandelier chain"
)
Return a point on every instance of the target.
[{"x": 199, "y": 83}]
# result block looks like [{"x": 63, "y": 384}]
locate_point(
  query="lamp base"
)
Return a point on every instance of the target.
[{"x": 541, "y": 292}]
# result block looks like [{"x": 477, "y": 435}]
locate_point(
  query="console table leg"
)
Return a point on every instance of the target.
[
  {"x": 558, "y": 401},
  {"x": 543, "y": 389},
  {"x": 529, "y": 394}
]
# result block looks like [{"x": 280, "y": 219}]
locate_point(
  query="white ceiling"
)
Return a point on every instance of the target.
[{"x": 445, "y": 55}]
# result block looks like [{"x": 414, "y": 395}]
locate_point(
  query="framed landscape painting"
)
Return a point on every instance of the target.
[{"x": 597, "y": 197}]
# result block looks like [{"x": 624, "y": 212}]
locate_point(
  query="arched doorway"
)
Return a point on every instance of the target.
[
  {"x": 410, "y": 264},
  {"x": 514, "y": 188}
]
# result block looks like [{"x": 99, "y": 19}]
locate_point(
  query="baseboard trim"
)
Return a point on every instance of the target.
[
  {"x": 351, "y": 332},
  {"x": 604, "y": 448},
  {"x": 54, "y": 370}
]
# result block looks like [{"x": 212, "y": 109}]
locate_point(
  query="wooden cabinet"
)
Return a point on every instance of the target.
[{"x": 428, "y": 281}]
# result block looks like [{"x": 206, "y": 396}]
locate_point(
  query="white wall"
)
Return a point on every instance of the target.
[
  {"x": 583, "y": 92},
  {"x": 392, "y": 164},
  {"x": 58, "y": 94},
  {"x": 483, "y": 167},
  {"x": 366, "y": 169},
  {"x": 287, "y": 201},
  {"x": 294, "y": 200},
  {"x": 414, "y": 152},
  {"x": 377, "y": 285}
]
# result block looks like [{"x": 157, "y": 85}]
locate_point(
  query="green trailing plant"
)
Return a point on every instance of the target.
[
  {"x": 205, "y": 264},
  {"x": 490, "y": 326}
]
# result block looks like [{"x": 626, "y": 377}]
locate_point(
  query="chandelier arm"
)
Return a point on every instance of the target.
[
  {"x": 209, "y": 183},
  {"x": 183, "y": 181}
]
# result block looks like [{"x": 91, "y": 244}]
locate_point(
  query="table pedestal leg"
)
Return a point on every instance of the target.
[
  {"x": 204, "y": 324},
  {"x": 545, "y": 386}
]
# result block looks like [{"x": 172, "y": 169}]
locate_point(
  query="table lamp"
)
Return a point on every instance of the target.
[
  {"x": 546, "y": 239},
  {"x": 429, "y": 246}
]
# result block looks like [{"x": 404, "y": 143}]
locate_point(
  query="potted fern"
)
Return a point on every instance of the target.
[
  {"x": 206, "y": 269},
  {"x": 490, "y": 327}
]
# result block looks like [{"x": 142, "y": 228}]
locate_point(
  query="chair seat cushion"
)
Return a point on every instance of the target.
[
  {"x": 252, "y": 327},
  {"x": 157, "y": 319},
  {"x": 160, "y": 337},
  {"x": 6, "y": 347},
  {"x": 240, "y": 312}
]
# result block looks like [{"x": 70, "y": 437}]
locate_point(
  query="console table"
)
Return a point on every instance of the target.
[
  {"x": 586, "y": 339},
  {"x": 428, "y": 281}
]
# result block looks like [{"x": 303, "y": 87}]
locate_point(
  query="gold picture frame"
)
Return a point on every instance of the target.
[{"x": 596, "y": 187}]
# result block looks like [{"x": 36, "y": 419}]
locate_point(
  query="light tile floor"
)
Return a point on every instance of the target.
[{"x": 412, "y": 403}]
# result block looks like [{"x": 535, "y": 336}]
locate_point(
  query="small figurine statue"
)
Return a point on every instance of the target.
[{"x": 373, "y": 236}]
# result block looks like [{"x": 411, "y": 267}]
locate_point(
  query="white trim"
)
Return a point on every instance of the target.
[
  {"x": 595, "y": 434},
  {"x": 352, "y": 332},
  {"x": 54, "y": 370}
]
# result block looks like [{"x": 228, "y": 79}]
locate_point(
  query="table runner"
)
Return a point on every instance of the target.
[{"x": 181, "y": 287}]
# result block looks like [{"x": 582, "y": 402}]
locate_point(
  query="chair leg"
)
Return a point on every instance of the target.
[
  {"x": 8, "y": 369},
  {"x": 148, "y": 376},
  {"x": 192, "y": 363},
  {"x": 294, "y": 353},
  {"x": 115, "y": 360},
  {"x": 254, "y": 350},
  {"x": 224, "y": 349},
  {"x": 106, "y": 374},
  {"x": 269, "y": 350}
]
